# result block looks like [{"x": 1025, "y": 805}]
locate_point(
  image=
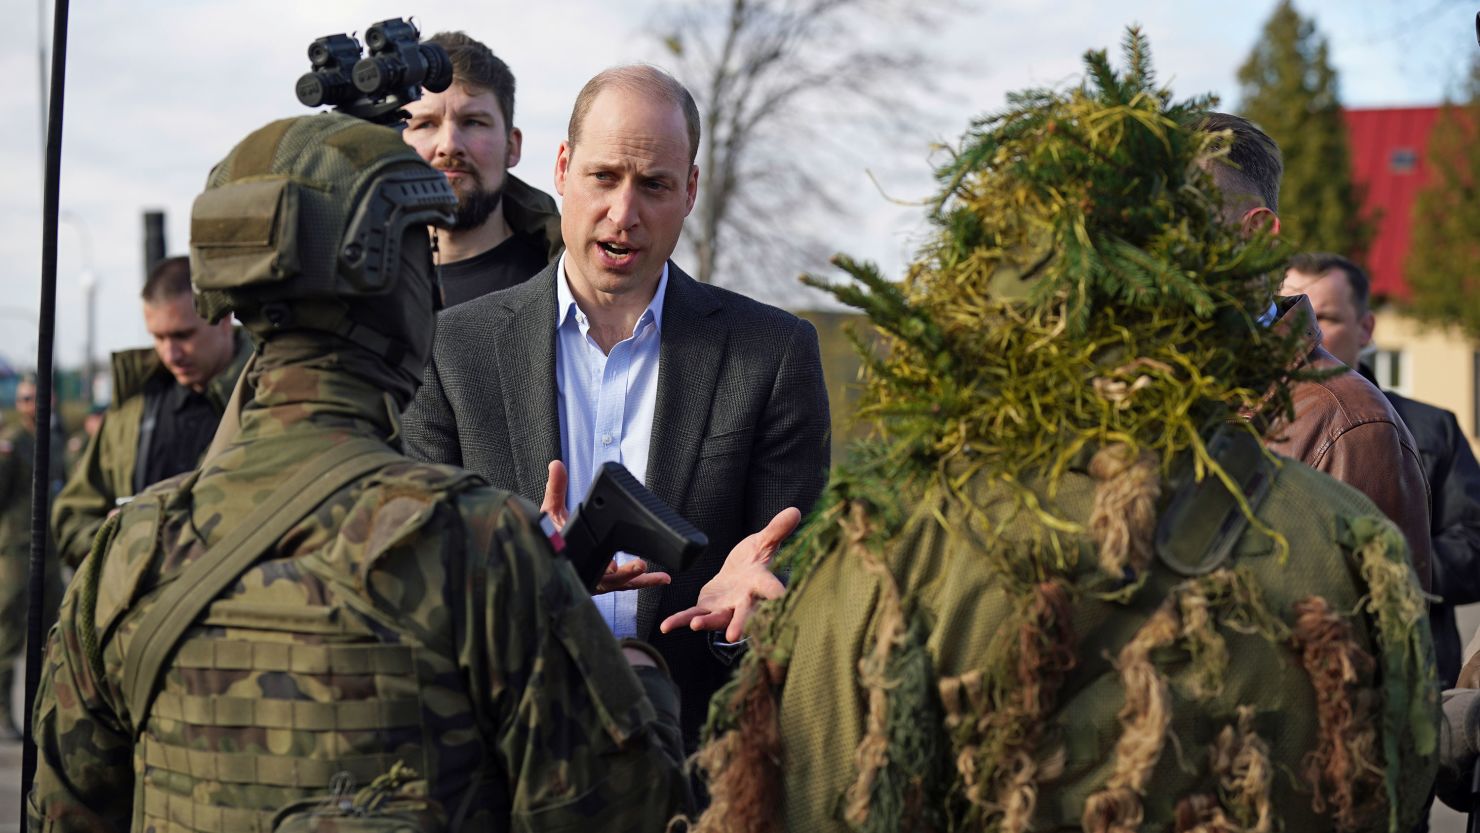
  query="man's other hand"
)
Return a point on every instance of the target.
[
  {"x": 726, "y": 601},
  {"x": 633, "y": 575}
]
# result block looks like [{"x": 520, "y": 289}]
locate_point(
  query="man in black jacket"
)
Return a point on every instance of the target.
[
  {"x": 1338, "y": 290},
  {"x": 505, "y": 230}
]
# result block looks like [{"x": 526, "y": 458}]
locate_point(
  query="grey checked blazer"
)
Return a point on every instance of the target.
[{"x": 740, "y": 430}]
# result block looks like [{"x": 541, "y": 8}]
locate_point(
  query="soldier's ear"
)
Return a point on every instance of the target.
[{"x": 1259, "y": 218}]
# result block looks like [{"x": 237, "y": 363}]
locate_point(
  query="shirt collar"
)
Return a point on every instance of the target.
[
  {"x": 567, "y": 309},
  {"x": 179, "y": 396}
]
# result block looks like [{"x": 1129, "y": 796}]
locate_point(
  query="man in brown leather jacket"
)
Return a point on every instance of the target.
[{"x": 1343, "y": 424}]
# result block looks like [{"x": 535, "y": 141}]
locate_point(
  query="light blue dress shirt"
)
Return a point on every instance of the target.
[{"x": 606, "y": 407}]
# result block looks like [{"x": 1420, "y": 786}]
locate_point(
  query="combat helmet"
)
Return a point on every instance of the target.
[{"x": 313, "y": 223}]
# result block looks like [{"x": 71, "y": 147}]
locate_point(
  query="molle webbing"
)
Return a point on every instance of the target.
[
  {"x": 346, "y": 739},
  {"x": 167, "y": 813},
  {"x": 305, "y": 715},
  {"x": 264, "y": 770},
  {"x": 240, "y": 655},
  {"x": 163, "y": 626}
]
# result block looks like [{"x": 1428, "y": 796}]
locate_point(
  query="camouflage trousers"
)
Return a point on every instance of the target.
[{"x": 14, "y": 587}]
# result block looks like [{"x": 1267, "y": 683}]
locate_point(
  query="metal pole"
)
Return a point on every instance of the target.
[
  {"x": 154, "y": 243},
  {"x": 41, "y": 464},
  {"x": 41, "y": 72}
]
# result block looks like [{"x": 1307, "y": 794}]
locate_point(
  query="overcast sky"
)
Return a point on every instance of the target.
[{"x": 159, "y": 90}]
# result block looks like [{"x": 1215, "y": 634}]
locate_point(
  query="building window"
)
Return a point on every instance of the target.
[
  {"x": 1390, "y": 368},
  {"x": 1402, "y": 161}
]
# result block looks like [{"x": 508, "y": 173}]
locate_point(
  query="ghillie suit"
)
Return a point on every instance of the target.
[{"x": 1066, "y": 589}]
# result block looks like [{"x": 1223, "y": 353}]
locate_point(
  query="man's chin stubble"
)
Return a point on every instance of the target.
[{"x": 475, "y": 209}]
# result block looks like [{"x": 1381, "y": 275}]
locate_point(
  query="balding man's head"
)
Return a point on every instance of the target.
[{"x": 647, "y": 81}]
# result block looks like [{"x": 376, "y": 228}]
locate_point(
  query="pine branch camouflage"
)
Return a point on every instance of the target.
[{"x": 985, "y": 628}]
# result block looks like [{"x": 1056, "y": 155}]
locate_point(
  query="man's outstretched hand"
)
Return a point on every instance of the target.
[
  {"x": 633, "y": 575},
  {"x": 726, "y": 601}
]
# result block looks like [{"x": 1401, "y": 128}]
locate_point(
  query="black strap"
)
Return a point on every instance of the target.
[
  {"x": 179, "y": 604},
  {"x": 154, "y": 398}
]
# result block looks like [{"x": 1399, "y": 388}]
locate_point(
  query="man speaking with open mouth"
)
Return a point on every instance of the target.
[{"x": 613, "y": 354}]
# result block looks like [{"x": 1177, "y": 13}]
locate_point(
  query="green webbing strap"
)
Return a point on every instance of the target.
[{"x": 199, "y": 583}]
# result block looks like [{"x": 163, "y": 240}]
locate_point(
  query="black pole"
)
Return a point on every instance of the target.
[
  {"x": 41, "y": 464},
  {"x": 154, "y": 245}
]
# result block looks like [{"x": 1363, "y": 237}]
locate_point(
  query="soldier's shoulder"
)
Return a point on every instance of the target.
[
  {"x": 407, "y": 493},
  {"x": 129, "y": 550},
  {"x": 132, "y": 371},
  {"x": 397, "y": 500},
  {"x": 1315, "y": 494},
  {"x": 428, "y": 478},
  {"x": 1317, "y": 513}
]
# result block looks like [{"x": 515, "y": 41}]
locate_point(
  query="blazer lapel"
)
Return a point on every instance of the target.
[
  {"x": 525, "y": 359},
  {"x": 689, "y": 360}
]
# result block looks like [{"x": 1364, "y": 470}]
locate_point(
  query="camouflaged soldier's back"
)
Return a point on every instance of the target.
[{"x": 417, "y": 618}]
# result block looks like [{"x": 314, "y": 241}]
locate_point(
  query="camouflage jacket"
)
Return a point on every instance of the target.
[
  {"x": 416, "y": 617},
  {"x": 915, "y": 690},
  {"x": 105, "y": 472}
]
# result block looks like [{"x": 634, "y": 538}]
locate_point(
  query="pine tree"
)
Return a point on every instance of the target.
[
  {"x": 1289, "y": 88},
  {"x": 1441, "y": 264}
]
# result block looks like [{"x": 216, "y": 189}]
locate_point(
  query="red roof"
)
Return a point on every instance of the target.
[{"x": 1389, "y": 147}]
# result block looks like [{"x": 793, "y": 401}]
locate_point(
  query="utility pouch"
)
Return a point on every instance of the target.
[
  {"x": 396, "y": 802},
  {"x": 243, "y": 234}
]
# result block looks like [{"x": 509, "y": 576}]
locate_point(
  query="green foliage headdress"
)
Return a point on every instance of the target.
[{"x": 1081, "y": 288}]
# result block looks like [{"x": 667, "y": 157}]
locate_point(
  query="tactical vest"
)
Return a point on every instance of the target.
[{"x": 279, "y": 701}]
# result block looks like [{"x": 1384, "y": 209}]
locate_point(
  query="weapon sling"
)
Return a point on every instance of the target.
[{"x": 199, "y": 583}]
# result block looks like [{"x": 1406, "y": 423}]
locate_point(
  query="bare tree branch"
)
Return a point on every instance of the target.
[{"x": 789, "y": 92}]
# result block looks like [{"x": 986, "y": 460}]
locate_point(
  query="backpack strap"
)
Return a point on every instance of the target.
[
  {"x": 200, "y": 582},
  {"x": 1199, "y": 527}
]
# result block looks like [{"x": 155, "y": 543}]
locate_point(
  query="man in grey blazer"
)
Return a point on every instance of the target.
[{"x": 715, "y": 400}]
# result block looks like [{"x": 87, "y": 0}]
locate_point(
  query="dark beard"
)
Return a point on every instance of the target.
[{"x": 473, "y": 211}]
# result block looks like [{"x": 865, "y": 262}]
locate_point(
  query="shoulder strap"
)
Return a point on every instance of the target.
[
  {"x": 201, "y": 581},
  {"x": 1199, "y": 527}
]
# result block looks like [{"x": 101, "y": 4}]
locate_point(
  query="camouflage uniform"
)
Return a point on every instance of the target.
[
  {"x": 416, "y": 619},
  {"x": 105, "y": 470},
  {"x": 17, "y": 448},
  {"x": 1067, "y": 589},
  {"x": 966, "y": 609}
]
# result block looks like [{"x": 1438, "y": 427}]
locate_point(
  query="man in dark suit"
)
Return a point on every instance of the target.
[{"x": 716, "y": 401}]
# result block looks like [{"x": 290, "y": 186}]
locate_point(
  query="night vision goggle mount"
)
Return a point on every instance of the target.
[{"x": 377, "y": 86}]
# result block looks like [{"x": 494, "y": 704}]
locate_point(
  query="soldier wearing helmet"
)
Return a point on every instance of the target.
[{"x": 312, "y": 631}]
